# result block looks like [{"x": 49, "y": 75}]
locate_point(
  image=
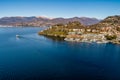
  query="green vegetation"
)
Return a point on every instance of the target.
[
  {"x": 75, "y": 25},
  {"x": 61, "y": 30},
  {"x": 118, "y": 28},
  {"x": 110, "y": 37},
  {"x": 107, "y": 30},
  {"x": 54, "y": 31}
]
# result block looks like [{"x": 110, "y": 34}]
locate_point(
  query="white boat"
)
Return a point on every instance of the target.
[{"x": 17, "y": 36}]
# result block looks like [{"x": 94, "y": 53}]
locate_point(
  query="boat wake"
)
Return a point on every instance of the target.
[{"x": 28, "y": 38}]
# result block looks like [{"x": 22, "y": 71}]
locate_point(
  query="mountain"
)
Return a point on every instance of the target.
[
  {"x": 111, "y": 21},
  {"x": 44, "y": 21}
]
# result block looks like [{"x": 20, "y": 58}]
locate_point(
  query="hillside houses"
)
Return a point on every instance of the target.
[{"x": 103, "y": 32}]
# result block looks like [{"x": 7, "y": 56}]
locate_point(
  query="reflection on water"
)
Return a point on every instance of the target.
[{"x": 55, "y": 38}]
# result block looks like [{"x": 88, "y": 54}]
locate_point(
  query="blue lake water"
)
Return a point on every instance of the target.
[{"x": 34, "y": 57}]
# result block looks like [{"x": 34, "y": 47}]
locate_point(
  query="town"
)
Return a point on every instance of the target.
[{"x": 106, "y": 31}]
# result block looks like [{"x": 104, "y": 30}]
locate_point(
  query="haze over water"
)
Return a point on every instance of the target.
[{"x": 34, "y": 57}]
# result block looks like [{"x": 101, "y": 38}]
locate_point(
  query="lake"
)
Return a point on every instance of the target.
[{"x": 35, "y": 57}]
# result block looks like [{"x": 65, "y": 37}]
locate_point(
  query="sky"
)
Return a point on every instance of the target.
[{"x": 60, "y": 8}]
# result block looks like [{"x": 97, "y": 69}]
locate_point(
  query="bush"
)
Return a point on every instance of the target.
[
  {"x": 118, "y": 29},
  {"x": 110, "y": 37}
]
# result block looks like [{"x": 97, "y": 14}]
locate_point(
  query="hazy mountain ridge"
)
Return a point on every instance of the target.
[{"x": 44, "y": 21}]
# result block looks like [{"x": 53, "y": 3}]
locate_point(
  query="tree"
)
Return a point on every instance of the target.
[{"x": 110, "y": 37}]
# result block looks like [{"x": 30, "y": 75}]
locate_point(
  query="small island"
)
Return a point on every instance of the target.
[{"x": 108, "y": 30}]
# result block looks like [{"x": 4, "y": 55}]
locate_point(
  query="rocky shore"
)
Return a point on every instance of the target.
[
  {"x": 106, "y": 31},
  {"x": 98, "y": 38}
]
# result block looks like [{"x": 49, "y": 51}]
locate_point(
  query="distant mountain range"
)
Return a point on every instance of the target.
[{"x": 44, "y": 21}]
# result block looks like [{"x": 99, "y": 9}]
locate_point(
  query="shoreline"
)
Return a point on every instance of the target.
[{"x": 95, "y": 38}]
